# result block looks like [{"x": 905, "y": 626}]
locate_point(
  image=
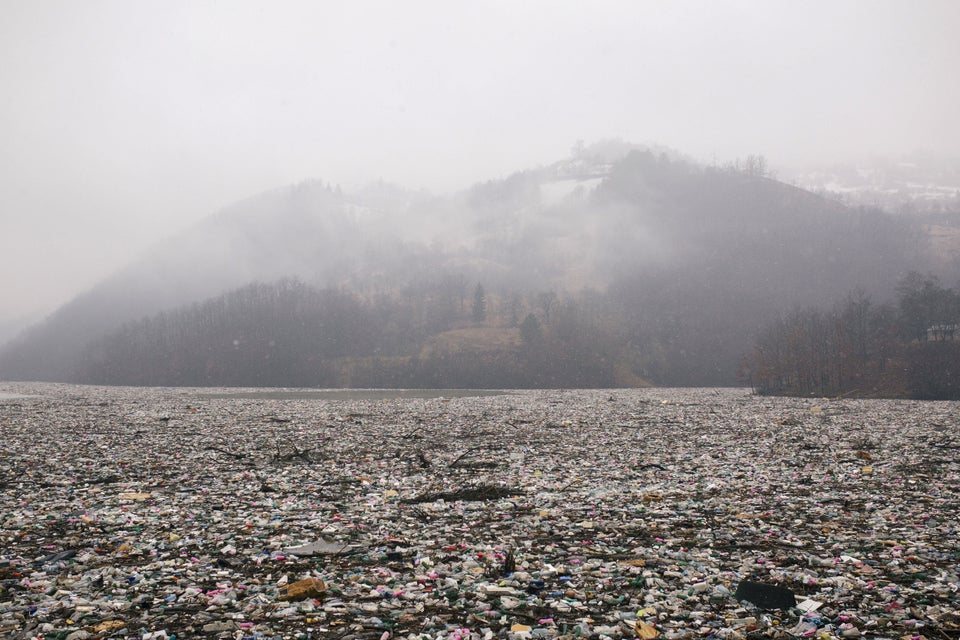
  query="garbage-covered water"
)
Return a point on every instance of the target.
[
  {"x": 658, "y": 513},
  {"x": 349, "y": 394}
]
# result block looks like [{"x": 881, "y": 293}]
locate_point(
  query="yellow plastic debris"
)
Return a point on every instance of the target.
[
  {"x": 302, "y": 589},
  {"x": 107, "y": 625},
  {"x": 644, "y": 630}
]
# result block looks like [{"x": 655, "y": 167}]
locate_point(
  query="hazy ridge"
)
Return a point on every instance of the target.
[{"x": 665, "y": 268}]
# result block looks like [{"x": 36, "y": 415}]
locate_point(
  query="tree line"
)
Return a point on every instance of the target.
[
  {"x": 909, "y": 347},
  {"x": 288, "y": 333}
]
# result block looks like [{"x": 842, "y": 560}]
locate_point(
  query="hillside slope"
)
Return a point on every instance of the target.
[{"x": 679, "y": 263}]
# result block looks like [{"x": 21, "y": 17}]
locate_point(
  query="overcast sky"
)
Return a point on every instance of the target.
[{"x": 124, "y": 121}]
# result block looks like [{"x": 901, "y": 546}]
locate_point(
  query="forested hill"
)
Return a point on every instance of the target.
[{"x": 639, "y": 265}]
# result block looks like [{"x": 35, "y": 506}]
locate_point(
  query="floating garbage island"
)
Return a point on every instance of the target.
[{"x": 655, "y": 513}]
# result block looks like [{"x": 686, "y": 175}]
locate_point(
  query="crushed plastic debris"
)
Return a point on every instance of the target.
[
  {"x": 318, "y": 548},
  {"x": 174, "y": 513},
  {"x": 809, "y": 605},
  {"x": 302, "y": 589}
]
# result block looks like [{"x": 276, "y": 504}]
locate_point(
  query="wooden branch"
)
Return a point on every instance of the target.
[
  {"x": 470, "y": 451},
  {"x": 236, "y": 456}
]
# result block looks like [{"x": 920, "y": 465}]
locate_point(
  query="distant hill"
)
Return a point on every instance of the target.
[
  {"x": 670, "y": 265},
  {"x": 916, "y": 184}
]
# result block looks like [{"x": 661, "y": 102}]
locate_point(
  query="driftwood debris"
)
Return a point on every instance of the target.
[
  {"x": 509, "y": 564},
  {"x": 472, "y": 450},
  {"x": 232, "y": 454},
  {"x": 422, "y": 459},
  {"x": 110, "y": 479},
  {"x": 477, "y": 493},
  {"x": 944, "y": 445},
  {"x": 290, "y": 456}
]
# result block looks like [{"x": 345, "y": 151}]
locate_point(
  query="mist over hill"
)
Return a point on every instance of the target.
[
  {"x": 634, "y": 264},
  {"x": 919, "y": 184}
]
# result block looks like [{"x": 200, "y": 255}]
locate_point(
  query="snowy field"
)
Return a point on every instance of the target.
[{"x": 154, "y": 513}]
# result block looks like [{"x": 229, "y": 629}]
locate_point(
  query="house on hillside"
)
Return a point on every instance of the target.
[{"x": 943, "y": 332}]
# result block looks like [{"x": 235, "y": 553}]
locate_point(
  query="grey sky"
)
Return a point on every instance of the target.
[{"x": 123, "y": 121}]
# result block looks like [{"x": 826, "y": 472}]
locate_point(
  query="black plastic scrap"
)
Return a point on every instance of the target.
[
  {"x": 765, "y": 596},
  {"x": 468, "y": 494}
]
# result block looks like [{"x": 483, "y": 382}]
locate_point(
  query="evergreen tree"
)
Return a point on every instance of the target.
[
  {"x": 479, "y": 304},
  {"x": 530, "y": 331}
]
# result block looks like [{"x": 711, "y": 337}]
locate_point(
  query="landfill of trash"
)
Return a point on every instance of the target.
[{"x": 653, "y": 513}]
